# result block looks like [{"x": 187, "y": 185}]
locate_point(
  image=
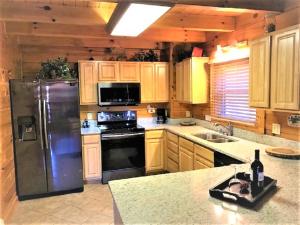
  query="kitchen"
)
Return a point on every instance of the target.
[{"x": 197, "y": 86}]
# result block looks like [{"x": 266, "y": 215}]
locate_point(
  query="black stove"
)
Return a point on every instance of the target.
[{"x": 122, "y": 145}]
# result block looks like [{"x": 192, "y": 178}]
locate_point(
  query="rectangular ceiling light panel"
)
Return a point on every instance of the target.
[{"x": 137, "y": 18}]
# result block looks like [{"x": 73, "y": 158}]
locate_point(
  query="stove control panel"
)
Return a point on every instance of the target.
[{"x": 119, "y": 116}]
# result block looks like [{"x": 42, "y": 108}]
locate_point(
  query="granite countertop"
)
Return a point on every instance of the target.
[{"x": 183, "y": 197}]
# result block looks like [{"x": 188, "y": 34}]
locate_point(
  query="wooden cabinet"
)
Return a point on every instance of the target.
[
  {"x": 172, "y": 152},
  {"x": 147, "y": 82},
  {"x": 108, "y": 71},
  {"x": 285, "y": 72},
  {"x": 186, "y": 155},
  {"x": 91, "y": 157},
  {"x": 129, "y": 71},
  {"x": 154, "y": 150},
  {"x": 179, "y": 81},
  {"x": 192, "y": 80},
  {"x": 259, "y": 82},
  {"x": 154, "y": 82},
  {"x": 203, "y": 157},
  {"x": 88, "y": 82}
]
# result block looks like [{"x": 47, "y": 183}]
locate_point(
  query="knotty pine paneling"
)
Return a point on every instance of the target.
[
  {"x": 250, "y": 27},
  {"x": 10, "y": 67}
]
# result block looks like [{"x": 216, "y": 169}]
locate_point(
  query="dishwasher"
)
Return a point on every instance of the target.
[{"x": 221, "y": 159}]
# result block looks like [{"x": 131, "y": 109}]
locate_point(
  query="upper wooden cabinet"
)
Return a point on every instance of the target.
[
  {"x": 129, "y": 71},
  {"x": 285, "y": 74},
  {"x": 108, "y": 71},
  {"x": 280, "y": 80},
  {"x": 259, "y": 82},
  {"x": 88, "y": 79},
  {"x": 154, "y": 82},
  {"x": 192, "y": 80}
]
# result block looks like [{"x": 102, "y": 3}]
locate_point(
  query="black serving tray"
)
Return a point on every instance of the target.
[{"x": 232, "y": 194}]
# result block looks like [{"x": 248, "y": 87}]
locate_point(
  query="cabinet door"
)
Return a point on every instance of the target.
[
  {"x": 129, "y": 71},
  {"x": 91, "y": 157},
  {"x": 108, "y": 71},
  {"x": 88, "y": 83},
  {"x": 172, "y": 166},
  {"x": 154, "y": 154},
  {"x": 187, "y": 81},
  {"x": 186, "y": 161},
  {"x": 259, "y": 83},
  {"x": 199, "y": 165},
  {"x": 147, "y": 82},
  {"x": 161, "y": 82},
  {"x": 285, "y": 74},
  {"x": 179, "y": 81}
]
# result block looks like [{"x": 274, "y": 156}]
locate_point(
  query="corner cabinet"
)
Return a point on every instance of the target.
[
  {"x": 259, "y": 82},
  {"x": 91, "y": 157},
  {"x": 285, "y": 75},
  {"x": 192, "y": 80},
  {"x": 154, "y": 150},
  {"x": 154, "y": 82},
  {"x": 274, "y": 70},
  {"x": 88, "y": 78}
]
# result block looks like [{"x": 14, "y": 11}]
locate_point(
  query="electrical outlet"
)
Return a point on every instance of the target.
[
  {"x": 187, "y": 114},
  {"x": 208, "y": 118},
  {"x": 275, "y": 128},
  {"x": 89, "y": 116}
]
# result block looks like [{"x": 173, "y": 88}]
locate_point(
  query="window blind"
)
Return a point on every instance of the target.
[{"x": 230, "y": 91}]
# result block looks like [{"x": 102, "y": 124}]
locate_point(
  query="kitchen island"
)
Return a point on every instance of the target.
[{"x": 183, "y": 197}]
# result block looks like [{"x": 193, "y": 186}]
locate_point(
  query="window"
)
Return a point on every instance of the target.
[{"x": 229, "y": 91}]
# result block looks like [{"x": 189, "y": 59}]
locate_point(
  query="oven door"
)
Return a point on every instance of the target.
[{"x": 125, "y": 152}]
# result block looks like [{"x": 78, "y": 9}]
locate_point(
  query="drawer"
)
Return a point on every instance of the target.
[
  {"x": 172, "y": 166},
  {"x": 172, "y": 155},
  {"x": 172, "y": 146},
  {"x": 204, "y": 161},
  {"x": 90, "y": 139},
  {"x": 186, "y": 151},
  {"x": 199, "y": 165},
  {"x": 154, "y": 134},
  {"x": 204, "y": 152},
  {"x": 172, "y": 137},
  {"x": 186, "y": 144}
]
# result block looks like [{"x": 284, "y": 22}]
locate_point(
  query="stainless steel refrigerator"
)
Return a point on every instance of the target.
[{"x": 47, "y": 141}]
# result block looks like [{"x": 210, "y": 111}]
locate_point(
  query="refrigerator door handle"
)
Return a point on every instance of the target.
[
  {"x": 40, "y": 123},
  {"x": 45, "y": 124}
]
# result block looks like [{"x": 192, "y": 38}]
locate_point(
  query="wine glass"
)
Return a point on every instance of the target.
[{"x": 234, "y": 180}]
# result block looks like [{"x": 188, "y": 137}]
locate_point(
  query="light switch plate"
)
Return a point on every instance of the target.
[
  {"x": 208, "y": 118},
  {"x": 187, "y": 114},
  {"x": 275, "y": 128},
  {"x": 89, "y": 116}
]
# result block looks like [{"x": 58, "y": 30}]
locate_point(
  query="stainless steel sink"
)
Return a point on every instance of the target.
[{"x": 212, "y": 137}]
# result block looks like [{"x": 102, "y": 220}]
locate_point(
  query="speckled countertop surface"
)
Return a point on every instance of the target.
[{"x": 183, "y": 197}]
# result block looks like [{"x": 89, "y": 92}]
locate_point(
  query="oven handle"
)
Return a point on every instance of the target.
[{"x": 120, "y": 136}]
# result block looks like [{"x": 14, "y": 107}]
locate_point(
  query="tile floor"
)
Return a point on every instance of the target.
[{"x": 91, "y": 207}]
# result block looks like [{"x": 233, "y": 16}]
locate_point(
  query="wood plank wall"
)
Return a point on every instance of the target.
[
  {"x": 248, "y": 28},
  {"x": 10, "y": 61}
]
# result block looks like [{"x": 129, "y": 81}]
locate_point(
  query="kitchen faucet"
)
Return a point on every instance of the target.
[{"x": 227, "y": 130}]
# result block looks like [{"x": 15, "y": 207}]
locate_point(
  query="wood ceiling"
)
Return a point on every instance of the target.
[{"x": 82, "y": 23}]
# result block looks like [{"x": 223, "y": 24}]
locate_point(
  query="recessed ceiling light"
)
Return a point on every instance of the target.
[{"x": 131, "y": 19}]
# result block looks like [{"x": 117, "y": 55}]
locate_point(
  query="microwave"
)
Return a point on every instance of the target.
[{"x": 119, "y": 94}]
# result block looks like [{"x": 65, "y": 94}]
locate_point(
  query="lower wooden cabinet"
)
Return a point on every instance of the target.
[
  {"x": 154, "y": 150},
  {"x": 186, "y": 155},
  {"x": 203, "y": 157},
  {"x": 172, "y": 151},
  {"x": 91, "y": 157}
]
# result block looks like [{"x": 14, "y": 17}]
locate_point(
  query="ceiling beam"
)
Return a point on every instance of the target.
[
  {"x": 267, "y": 5},
  {"x": 58, "y": 14},
  {"x": 98, "y": 32}
]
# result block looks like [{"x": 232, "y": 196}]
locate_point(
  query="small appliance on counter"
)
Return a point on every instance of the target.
[{"x": 161, "y": 115}]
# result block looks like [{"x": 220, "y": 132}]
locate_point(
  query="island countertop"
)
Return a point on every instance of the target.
[{"x": 183, "y": 197}]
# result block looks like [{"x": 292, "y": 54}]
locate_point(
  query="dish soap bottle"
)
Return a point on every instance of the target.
[{"x": 257, "y": 174}]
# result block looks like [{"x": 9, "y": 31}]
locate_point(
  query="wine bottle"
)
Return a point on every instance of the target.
[{"x": 257, "y": 173}]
